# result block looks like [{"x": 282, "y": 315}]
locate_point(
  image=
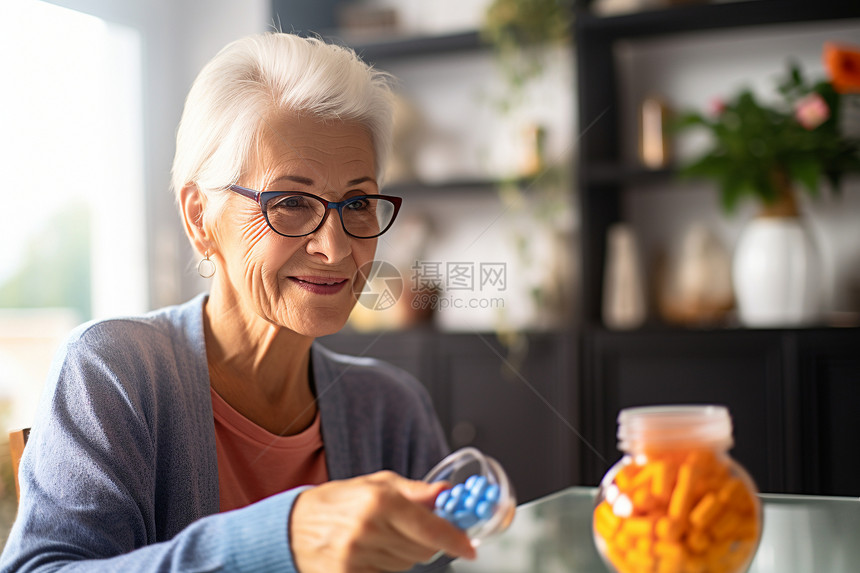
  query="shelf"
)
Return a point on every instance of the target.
[
  {"x": 452, "y": 186},
  {"x": 667, "y": 331},
  {"x": 712, "y": 16},
  {"x": 621, "y": 174},
  {"x": 455, "y": 186},
  {"x": 429, "y": 330},
  {"x": 412, "y": 46},
  {"x": 847, "y": 323}
]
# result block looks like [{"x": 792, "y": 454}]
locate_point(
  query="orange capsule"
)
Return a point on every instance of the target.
[
  {"x": 669, "y": 529},
  {"x": 698, "y": 541},
  {"x": 725, "y": 525},
  {"x": 682, "y": 496},
  {"x": 663, "y": 480},
  {"x": 644, "y": 502},
  {"x": 638, "y": 526},
  {"x": 640, "y": 561},
  {"x": 705, "y": 511},
  {"x": 603, "y": 513},
  {"x": 643, "y": 478},
  {"x": 624, "y": 477},
  {"x": 668, "y": 550},
  {"x": 730, "y": 492},
  {"x": 604, "y": 530}
]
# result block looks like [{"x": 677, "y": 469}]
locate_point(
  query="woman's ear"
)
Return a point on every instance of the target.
[{"x": 192, "y": 203}]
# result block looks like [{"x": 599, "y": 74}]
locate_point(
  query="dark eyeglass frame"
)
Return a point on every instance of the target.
[{"x": 263, "y": 197}]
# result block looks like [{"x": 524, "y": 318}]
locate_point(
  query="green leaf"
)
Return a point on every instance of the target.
[
  {"x": 710, "y": 166},
  {"x": 732, "y": 190},
  {"x": 737, "y": 186},
  {"x": 796, "y": 75},
  {"x": 686, "y": 121},
  {"x": 807, "y": 170}
]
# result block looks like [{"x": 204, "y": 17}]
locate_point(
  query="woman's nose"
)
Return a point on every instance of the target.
[{"x": 330, "y": 240}]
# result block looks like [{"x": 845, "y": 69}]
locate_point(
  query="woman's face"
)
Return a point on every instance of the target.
[{"x": 305, "y": 284}]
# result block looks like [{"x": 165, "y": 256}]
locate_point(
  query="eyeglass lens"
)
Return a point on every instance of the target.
[{"x": 299, "y": 215}]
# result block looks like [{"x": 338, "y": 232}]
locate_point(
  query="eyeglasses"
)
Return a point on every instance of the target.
[{"x": 296, "y": 214}]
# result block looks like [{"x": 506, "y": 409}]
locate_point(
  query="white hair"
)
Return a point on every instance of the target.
[{"x": 255, "y": 78}]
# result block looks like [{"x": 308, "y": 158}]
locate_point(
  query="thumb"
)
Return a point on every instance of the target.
[{"x": 422, "y": 492}]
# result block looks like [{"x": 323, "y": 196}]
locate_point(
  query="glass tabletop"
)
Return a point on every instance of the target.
[{"x": 802, "y": 534}]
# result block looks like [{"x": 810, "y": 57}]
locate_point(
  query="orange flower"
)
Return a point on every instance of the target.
[{"x": 843, "y": 63}]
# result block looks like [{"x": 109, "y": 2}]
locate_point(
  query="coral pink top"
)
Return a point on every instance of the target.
[{"x": 254, "y": 463}]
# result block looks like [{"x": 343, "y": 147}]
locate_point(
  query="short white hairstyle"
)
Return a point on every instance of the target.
[{"x": 260, "y": 76}]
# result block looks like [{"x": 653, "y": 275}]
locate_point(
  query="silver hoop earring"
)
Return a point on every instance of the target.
[{"x": 206, "y": 267}]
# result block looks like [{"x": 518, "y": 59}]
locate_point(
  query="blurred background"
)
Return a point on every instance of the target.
[{"x": 551, "y": 267}]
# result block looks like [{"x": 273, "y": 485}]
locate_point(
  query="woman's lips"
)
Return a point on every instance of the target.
[{"x": 319, "y": 285}]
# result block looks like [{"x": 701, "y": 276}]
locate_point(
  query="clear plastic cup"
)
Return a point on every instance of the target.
[{"x": 458, "y": 467}]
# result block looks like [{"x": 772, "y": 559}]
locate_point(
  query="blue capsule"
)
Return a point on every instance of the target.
[
  {"x": 458, "y": 490},
  {"x": 471, "y": 502},
  {"x": 465, "y": 519},
  {"x": 452, "y": 505},
  {"x": 442, "y": 498},
  {"x": 484, "y": 510},
  {"x": 478, "y": 486}
]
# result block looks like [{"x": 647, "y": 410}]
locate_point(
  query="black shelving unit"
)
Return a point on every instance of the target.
[
  {"x": 701, "y": 16},
  {"x": 790, "y": 390},
  {"x": 414, "y": 46},
  {"x": 603, "y": 174}
]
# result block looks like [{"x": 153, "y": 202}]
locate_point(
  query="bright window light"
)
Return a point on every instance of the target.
[{"x": 72, "y": 220}]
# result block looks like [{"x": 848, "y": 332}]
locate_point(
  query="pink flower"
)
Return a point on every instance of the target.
[
  {"x": 718, "y": 106},
  {"x": 811, "y": 111}
]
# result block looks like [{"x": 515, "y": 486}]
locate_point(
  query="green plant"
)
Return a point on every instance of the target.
[
  {"x": 761, "y": 151},
  {"x": 517, "y": 29},
  {"x": 520, "y": 31}
]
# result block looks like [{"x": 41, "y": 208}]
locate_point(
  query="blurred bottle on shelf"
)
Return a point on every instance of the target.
[
  {"x": 624, "y": 305},
  {"x": 654, "y": 144}
]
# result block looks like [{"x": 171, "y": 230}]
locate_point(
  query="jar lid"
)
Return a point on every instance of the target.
[{"x": 674, "y": 426}]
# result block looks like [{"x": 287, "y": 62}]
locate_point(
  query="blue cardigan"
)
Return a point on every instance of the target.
[{"x": 120, "y": 472}]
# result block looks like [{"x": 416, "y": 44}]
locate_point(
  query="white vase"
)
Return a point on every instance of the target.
[
  {"x": 776, "y": 273},
  {"x": 623, "y": 287}
]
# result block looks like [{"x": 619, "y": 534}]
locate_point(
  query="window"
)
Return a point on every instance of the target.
[{"x": 72, "y": 216}]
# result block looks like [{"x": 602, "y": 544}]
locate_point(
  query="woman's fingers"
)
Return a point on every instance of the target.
[
  {"x": 416, "y": 521},
  {"x": 380, "y": 522},
  {"x": 420, "y": 492}
]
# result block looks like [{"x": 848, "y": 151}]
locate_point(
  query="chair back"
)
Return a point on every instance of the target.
[{"x": 17, "y": 441}]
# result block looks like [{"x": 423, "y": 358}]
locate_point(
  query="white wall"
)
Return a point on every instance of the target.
[{"x": 466, "y": 137}]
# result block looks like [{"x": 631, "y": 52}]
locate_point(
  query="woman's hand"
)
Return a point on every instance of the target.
[{"x": 378, "y": 522}]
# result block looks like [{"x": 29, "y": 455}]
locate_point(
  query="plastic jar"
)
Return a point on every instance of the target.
[
  {"x": 676, "y": 502},
  {"x": 461, "y": 465}
]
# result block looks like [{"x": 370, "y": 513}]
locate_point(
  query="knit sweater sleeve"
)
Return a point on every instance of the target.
[
  {"x": 254, "y": 538},
  {"x": 111, "y": 479}
]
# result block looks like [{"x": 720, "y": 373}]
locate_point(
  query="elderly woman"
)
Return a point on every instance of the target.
[{"x": 217, "y": 435}]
